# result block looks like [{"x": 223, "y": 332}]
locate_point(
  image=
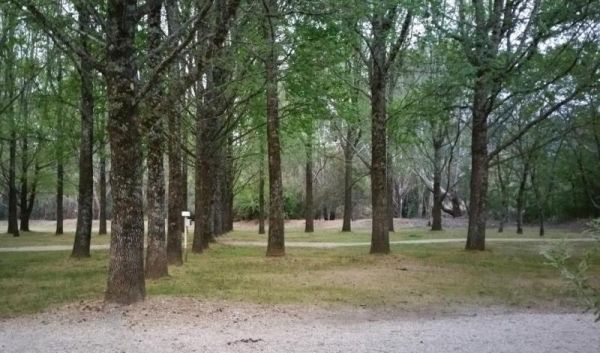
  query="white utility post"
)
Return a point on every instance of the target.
[{"x": 186, "y": 224}]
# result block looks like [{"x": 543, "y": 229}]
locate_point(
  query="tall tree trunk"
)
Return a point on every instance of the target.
[
  {"x": 479, "y": 167},
  {"x": 503, "y": 199},
  {"x": 217, "y": 206},
  {"x": 309, "y": 213},
  {"x": 156, "y": 251},
  {"x": 33, "y": 193},
  {"x": 175, "y": 202},
  {"x": 228, "y": 186},
  {"x": 102, "y": 216},
  {"x": 521, "y": 197},
  {"x": 380, "y": 242},
  {"x": 540, "y": 199},
  {"x": 261, "y": 190},
  {"x": 542, "y": 217},
  {"x": 204, "y": 166},
  {"x": 184, "y": 181},
  {"x": 436, "y": 211},
  {"x": 126, "y": 282},
  {"x": 83, "y": 232},
  {"x": 60, "y": 172},
  {"x": 9, "y": 76},
  {"x": 59, "y": 196},
  {"x": 13, "y": 224},
  {"x": 390, "y": 195},
  {"x": 276, "y": 241},
  {"x": 348, "y": 183},
  {"x": 24, "y": 183}
]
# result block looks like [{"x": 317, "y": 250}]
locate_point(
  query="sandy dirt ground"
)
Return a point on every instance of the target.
[{"x": 186, "y": 325}]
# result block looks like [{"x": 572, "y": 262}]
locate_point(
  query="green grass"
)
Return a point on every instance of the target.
[
  {"x": 294, "y": 234},
  {"x": 46, "y": 238},
  {"x": 412, "y": 278},
  {"x": 364, "y": 235}
]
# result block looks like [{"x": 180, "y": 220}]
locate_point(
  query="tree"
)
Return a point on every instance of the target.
[
  {"x": 156, "y": 251},
  {"x": 498, "y": 52},
  {"x": 276, "y": 242},
  {"x": 384, "y": 20},
  {"x": 83, "y": 232}
]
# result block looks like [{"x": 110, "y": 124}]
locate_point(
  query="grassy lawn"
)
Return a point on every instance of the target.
[
  {"x": 46, "y": 238},
  {"x": 364, "y": 235},
  {"x": 412, "y": 278},
  {"x": 295, "y": 234}
]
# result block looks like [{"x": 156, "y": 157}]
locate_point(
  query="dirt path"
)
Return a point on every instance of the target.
[
  {"x": 182, "y": 325},
  {"x": 304, "y": 244}
]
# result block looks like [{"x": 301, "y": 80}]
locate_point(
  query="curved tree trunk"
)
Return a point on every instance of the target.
[
  {"x": 83, "y": 232},
  {"x": 126, "y": 282}
]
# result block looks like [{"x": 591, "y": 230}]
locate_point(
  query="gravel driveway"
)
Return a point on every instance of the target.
[{"x": 185, "y": 325}]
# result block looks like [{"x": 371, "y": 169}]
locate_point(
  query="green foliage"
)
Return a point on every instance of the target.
[{"x": 578, "y": 273}]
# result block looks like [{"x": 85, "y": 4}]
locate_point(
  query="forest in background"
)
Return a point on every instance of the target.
[{"x": 272, "y": 109}]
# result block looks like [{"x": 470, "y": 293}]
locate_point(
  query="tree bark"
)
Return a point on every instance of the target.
[
  {"x": 217, "y": 205},
  {"x": 59, "y": 196},
  {"x": 60, "y": 172},
  {"x": 521, "y": 197},
  {"x": 13, "y": 225},
  {"x": 380, "y": 242},
  {"x": 156, "y": 251},
  {"x": 184, "y": 181},
  {"x": 436, "y": 211},
  {"x": 390, "y": 195},
  {"x": 83, "y": 232},
  {"x": 126, "y": 265},
  {"x": 309, "y": 213},
  {"x": 175, "y": 202},
  {"x": 503, "y": 199},
  {"x": 479, "y": 167},
  {"x": 228, "y": 187},
  {"x": 205, "y": 167},
  {"x": 348, "y": 182},
  {"x": 261, "y": 190},
  {"x": 102, "y": 216},
  {"x": 24, "y": 217},
  {"x": 276, "y": 240},
  {"x": 540, "y": 199},
  {"x": 13, "y": 221}
]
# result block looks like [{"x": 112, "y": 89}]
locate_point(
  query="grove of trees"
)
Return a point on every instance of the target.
[{"x": 135, "y": 110}]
